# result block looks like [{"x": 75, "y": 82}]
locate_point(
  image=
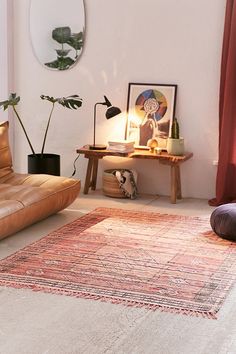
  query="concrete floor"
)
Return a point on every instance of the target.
[{"x": 38, "y": 323}]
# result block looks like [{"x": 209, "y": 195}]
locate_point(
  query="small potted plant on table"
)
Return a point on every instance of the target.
[{"x": 175, "y": 144}]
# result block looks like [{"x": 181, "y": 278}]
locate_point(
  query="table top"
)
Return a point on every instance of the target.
[{"x": 138, "y": 153}]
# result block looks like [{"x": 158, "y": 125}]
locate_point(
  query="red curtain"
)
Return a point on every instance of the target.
[{"x": 226, "y": 173}]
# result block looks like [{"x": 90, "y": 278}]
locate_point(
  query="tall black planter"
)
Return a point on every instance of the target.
[{"x": 46, "y": 163}]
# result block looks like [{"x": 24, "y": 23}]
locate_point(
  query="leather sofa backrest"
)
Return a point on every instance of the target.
[{"x": 5, "y": 153}]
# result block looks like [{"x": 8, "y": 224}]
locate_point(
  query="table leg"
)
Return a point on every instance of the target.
[
  {"x": 94, "y": 174},
  {"x": 91, "y": 174},
  {"x": 174, "y": 174},
  {"x": 178, "y": 181},
  {"x": 88, "y": 175}
]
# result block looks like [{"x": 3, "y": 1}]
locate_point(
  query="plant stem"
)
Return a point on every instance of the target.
[
  {"x": 46, "y": 131},
  {"x": 22, "y": 125}
]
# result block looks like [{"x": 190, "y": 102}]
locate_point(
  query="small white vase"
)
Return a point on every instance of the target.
[{"x": 175, "y": 146}]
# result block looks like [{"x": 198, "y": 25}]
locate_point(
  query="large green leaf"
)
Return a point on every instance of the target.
[
  {"x": 71, "y": 102},
  {"x": 12, "y": 101},
  {"x": 53, "y": 64},
  {"x": 64, "y": 62},
  {"x": 61, "y": 63},
  {"x": 76, "y": 40},
  {"x": 62, "y": 52},
  {"x": 61, "y": 34}
]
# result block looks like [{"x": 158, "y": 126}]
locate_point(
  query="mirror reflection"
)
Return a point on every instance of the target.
[{"x": 57, "y": 32}]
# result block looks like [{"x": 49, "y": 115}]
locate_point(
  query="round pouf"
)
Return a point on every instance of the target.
[{"x": 223, "y": 221}]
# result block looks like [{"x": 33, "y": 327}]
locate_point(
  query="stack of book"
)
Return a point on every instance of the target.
[{"x": 121, "y": 146}]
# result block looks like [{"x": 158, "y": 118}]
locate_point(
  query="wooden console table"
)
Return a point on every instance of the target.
[{"x": 174, "y": 162}]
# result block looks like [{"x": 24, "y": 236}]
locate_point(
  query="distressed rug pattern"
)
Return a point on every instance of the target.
[{"x": 168, "y": 262}]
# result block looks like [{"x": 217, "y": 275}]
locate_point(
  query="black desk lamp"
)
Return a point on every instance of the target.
[{"x": 111, "y": 112}]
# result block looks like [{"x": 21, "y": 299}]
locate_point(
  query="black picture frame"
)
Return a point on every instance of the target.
[{"x": 150, "y": 112}]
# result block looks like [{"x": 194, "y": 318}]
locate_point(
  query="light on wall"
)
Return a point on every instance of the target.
[{"x": 110, "y": 113}]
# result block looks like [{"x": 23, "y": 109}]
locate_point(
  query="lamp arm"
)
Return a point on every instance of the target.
[
  {"x": 105, "y": 103},
  {"x": 94, "y": 121}
]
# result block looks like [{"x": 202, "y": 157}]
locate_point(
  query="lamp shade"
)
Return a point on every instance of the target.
[{"x": 112, "y": 112}]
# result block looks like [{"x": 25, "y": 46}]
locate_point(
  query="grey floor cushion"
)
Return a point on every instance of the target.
[{"x": 223, "y": 221}]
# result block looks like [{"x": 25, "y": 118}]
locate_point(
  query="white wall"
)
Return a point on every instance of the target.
[
  {"x": 152, "y": 41},
  {"x": 5, "y": 53},
  {"x": 3, "y": 48}
]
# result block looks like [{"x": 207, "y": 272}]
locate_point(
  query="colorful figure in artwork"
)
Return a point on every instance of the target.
[
  {"x": 151, "y": 106},
  {"x": 148, "y": 124}
]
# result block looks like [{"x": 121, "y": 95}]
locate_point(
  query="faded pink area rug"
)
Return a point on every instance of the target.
[{"x": 158, "y": 261}]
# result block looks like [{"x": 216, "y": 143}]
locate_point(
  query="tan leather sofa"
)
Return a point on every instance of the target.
[{"x": 25, "y": 198}]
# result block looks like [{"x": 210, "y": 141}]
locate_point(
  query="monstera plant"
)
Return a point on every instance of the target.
[
  {"x": 41, "y": 162},
  {"x": 63, "y": 35}
]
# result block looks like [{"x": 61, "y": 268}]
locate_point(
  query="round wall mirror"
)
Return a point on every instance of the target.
[{"x": 57, "y": 30}]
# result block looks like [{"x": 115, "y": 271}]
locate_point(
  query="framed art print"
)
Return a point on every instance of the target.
[{"x": 150, "y": 112}]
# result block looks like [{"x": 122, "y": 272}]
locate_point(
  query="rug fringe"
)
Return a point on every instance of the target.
[{"x": 110, "y": 299}]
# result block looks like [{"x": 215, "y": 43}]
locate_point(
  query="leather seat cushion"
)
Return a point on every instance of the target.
[
  {"x": 223, "y": 221},
  {"x": 9, "y": 206},
  {"x": 25, "y": 199}
]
